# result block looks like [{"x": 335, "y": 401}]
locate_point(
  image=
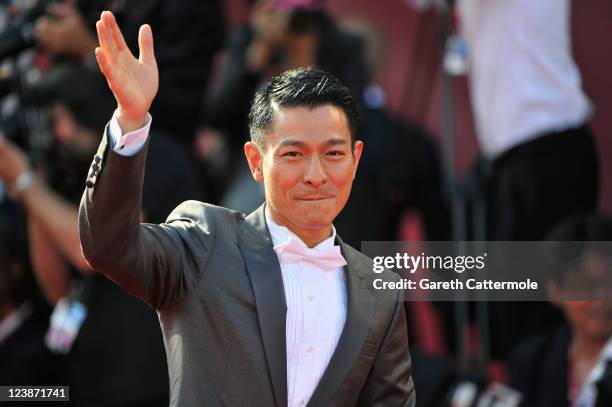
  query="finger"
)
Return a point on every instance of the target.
[
  {"x": 101, "y": 36},
  {"x": 115, "y": 31},
  {"x": 103, "y": 63},
  {"x": 106, "y": 39},
  {"x": 145, "y": 43}
]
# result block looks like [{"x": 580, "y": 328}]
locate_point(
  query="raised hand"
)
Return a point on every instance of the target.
[{"x": 133, "y": 81}]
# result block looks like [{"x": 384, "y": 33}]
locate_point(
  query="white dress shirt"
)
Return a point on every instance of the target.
[
  {"x": 523, "y": 79},
  {"x": 129, "y": 143},
  {"x": 316, "y": 312},
  {"x": 588, "y": 392},
  {"x": 316, "y": 297}
]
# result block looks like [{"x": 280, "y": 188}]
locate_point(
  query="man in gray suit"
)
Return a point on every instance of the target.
[{"x": 269, "y": 309}]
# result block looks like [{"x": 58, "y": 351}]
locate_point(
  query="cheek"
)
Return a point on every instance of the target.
[
  {"x": 342, "y": 178},
  {"x": 281, "y": 179}
]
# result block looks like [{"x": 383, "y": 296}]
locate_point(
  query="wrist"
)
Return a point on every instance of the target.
[{"x": 129, "y": 123}]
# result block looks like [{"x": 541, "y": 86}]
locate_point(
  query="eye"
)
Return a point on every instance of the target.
[
  {"x": 291, "y": 154},
  {"x": 336, "y": 153}
]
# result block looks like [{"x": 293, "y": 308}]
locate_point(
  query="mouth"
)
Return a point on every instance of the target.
[{"x": 313, "y": 198}]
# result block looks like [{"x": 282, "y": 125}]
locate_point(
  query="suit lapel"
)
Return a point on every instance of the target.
[
  {"x": 266, "y": 279},
  {"x": 359, "y": 309}
]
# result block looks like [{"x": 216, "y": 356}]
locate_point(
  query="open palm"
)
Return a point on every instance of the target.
[{"x": 133, "y": 81}]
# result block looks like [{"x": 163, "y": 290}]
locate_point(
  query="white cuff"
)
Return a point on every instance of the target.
[{"x": 130, "y": 143}]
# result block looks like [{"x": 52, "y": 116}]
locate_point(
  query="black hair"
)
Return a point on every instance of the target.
[
  {"x": 583, "y": 227},
  {"x": 570, "y": 239},
  {"x": 302, "y": 87}
]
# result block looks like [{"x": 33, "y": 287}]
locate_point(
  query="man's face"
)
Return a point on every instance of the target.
[
  {"x": 307, "y": 168},
  {"x": 593, "y": 319},
  {"x": 588, "y": 285}
]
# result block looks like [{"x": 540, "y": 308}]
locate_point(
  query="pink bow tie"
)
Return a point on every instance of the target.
[{"x": 293, "y": 252}]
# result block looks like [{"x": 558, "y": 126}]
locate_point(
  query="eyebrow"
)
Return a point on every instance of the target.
[{"x": 297, "y": 143}]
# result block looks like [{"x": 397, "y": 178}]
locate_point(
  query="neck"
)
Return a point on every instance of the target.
[
  {"x": 313, "y": 239},
  {"x": 310, "y": 236},
  {"x": 587, "y": 347}
]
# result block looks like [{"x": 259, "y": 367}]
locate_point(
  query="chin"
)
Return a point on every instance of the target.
[{"x": 317, "y": 220}]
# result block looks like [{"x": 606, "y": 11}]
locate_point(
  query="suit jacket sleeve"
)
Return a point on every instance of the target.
[
  {"x": 160, "y": 264},
  {"x": 390, "y": 380}
]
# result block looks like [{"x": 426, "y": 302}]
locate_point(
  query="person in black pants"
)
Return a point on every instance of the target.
[{"x": 531, "y": 188}]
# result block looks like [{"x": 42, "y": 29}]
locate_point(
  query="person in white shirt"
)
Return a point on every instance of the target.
[
  {"x": 530, "y": 112},
  {"x": 539, "y": 160}
]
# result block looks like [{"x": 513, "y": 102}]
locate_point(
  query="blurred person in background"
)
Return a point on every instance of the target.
[
  {"x": 188, "y": 35},
  {"x": 539, "y": 161},
  {"x": 24, "y": 358},
  {"x": 532, "y": 116},
  {"x": 109, "y": 364},
  {"x": 399, "y": 175},
  {"x": 571, "y": 365}
]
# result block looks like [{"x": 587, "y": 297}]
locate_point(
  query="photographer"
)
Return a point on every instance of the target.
[
  {"x": 120, "y": 369},
  {"x": 185, "y": 46}
]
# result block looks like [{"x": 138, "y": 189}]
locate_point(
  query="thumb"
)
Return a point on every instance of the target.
[{"x": 145, "y": 43}]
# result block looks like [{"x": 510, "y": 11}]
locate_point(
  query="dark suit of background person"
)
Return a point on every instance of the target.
[
  {"x": 216, "y": 283},
  {"x": 539, "y": 369}
]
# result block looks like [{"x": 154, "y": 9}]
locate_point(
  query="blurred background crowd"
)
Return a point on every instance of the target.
[{"x": 482, "y": 120}]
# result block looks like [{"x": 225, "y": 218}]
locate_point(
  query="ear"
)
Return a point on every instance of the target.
[
  {"x": 255, "y": 159},
  {"x": 357, "y": 150}
]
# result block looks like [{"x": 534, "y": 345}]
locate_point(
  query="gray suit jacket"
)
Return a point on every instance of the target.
[{"x": 213, "y": 277}]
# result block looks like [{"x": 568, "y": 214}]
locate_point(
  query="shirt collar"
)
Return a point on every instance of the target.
[
  {"x": 606, "y": 353},
  {"x": 588, "y": 392},
  {"x": 282, "y": 234}
]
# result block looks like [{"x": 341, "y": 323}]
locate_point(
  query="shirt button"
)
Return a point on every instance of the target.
[
  {"x": 121, "y": 146},
  {"x": 301, "y": 402},
  {"x": 310, "y": 349},
  {"x": 310, "y": 297}
]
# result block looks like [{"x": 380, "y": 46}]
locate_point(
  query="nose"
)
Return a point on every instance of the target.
[{"x": 315, "y": 173}]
